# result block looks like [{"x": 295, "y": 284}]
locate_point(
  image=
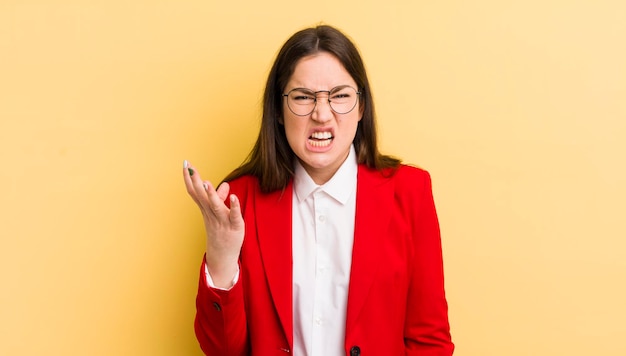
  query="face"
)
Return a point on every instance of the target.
[{"x": 321, "y": 140}]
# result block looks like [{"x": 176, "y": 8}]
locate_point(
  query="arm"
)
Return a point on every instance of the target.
[
  {"x": 220, "y": 323},
  {"x": 427, "y": 330}
]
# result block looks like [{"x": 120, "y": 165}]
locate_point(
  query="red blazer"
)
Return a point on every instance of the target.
[{"x": 396, "y": 299}]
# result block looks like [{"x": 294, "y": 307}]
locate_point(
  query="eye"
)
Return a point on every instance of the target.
[
  {"x": 341, "y": 95},
  {"x": 302, "y": 97}
]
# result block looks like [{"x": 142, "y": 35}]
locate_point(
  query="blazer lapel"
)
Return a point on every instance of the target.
[
  {"x": 274, "y": 235},
  {"x": 374, "y": 194}
]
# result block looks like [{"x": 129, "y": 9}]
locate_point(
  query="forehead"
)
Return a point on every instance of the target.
[{"x": 320, "y": 71}]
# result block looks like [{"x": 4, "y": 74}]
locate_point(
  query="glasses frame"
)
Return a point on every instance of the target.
[{"x": 339, "y": 87}]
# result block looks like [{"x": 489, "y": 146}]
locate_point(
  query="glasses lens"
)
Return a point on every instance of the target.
[
  {"x": 301, "y": 101},
  {"x": 343, "y": 99}
]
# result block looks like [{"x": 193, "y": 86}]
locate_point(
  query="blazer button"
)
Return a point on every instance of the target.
[
  {"x": 217, "y": 306},
  {"x": 355, "y": 351}
]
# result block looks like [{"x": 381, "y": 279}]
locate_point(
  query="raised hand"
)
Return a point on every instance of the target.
[{"x": 224, "y": 226}]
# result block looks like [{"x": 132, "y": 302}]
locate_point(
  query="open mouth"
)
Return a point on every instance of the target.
[{"x": 320, "y": 139}]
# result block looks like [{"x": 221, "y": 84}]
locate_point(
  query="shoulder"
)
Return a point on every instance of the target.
[
  {"x": 249, "y": 185},
  {"x": 242, "y": 185},
  {"x": 406, "y": 188},
  {"x": 411, "y": 182},
  {"x": 407, "y": 183},
  {"x": 409, "y": 186},
  {"x": 411, "y": 173},
  {"x": 244, "y": 180},
  {"x": 403, "y": 176}
]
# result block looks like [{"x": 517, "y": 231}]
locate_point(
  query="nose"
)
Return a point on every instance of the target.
[{"x": 322, "y": 112}]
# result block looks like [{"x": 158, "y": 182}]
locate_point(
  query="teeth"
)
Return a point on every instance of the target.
[
  {"x": 319, "y": 143},
  {"x": 322, "y": 135}
]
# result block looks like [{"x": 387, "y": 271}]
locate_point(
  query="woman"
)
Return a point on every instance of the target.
[{"x": 319, "y": 244}]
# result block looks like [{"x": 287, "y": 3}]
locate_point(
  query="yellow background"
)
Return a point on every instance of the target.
[{"x": 517, "y": 108}]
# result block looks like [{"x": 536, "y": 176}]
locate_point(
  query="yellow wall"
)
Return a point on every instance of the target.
[{"x": 518, "y": 108}]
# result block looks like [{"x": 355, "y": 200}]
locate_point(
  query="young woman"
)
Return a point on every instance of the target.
[{"x": 319, "y": 244}]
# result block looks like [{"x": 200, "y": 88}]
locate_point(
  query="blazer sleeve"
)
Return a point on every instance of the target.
[
  {"x": 427, "y": 330},
  {"x": 221, "y": 324}
]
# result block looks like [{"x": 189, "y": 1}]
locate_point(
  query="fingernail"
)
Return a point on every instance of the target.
[
  {"x": 190, "y": 171},
  {"x": 206, "y": 186},
  {"x": 232, "y": 198},
  {"x": 185, "y": 164}
]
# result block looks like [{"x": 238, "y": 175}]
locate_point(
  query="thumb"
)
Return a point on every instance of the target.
[
  {"x": 235, "y": 212},
  {"x": 222, "y": 191}
]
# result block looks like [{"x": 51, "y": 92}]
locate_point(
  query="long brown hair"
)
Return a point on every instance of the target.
[{"x": 272, "y": 159}]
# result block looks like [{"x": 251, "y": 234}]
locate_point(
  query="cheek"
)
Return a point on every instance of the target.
[
  {"x": 293, "y": 130},
  {"x": 351, "y": 124}
]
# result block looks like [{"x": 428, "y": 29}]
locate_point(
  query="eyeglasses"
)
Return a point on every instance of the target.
[{"x": 302, "y": 101}]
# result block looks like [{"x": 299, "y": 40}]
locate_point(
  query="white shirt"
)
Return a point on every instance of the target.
[{"x": 322, "y": 239}]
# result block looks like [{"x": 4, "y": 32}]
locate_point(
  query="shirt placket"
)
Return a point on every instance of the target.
[{"x": 322, "y": 278}]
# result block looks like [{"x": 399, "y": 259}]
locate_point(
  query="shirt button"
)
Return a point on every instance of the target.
[
  {"x": 322, "y": 218},
  {"x": 217, "y": 306},
  {"x": 318, "y": 321}
]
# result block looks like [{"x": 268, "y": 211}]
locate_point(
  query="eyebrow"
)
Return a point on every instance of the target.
[{"x": 336, "y": 88}]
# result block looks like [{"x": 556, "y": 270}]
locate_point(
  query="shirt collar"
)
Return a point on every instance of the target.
[{"x": 340, "y": 186}]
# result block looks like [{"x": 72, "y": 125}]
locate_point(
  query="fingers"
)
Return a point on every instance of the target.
[
  {"x": 188, "y": 173},
  {"x": 198, "y": 189},
  {"x": 210, "y": 200},
  {"x": 216, "y": 199},
  {"x": 234, "y": 216},
  {"x": 235, "y": 212}
]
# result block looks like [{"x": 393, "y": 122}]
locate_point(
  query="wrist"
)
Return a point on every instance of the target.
[{"x": 222, "y": 274}]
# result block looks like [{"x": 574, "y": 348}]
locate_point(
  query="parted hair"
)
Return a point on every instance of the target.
[{"x": 271, "y": 160}]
